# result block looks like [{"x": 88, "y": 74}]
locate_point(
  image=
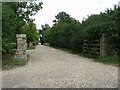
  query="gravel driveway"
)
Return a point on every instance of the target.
[{"x": 52, "y": 68}]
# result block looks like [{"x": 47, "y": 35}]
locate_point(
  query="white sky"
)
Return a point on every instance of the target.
[{"x": 76, "y": 8}]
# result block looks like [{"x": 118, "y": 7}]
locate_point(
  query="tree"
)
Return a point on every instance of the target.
[
  {"x": 69, "y": 33},
  {"x": 31, "y": 31},
  {"x": 15, "y": 15},
  {"x": 45, "y": 27},
  {"x": 8, "y": 28},
  {"x": 60, "y": 34},
  {"x": 23, "y": 11},
  {"x": 63, "y": 16}
]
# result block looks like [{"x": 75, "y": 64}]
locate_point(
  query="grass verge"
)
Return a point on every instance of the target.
[
  {"x": 67, "y": 50},
  {"x": 112, "y": 60},
  {"x": 30, "y": 47},
  {"x": 8, "y": 62}
]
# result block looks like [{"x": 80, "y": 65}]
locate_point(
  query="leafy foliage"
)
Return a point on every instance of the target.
[
  {"x": 8, "y": 28},
  {"x": 14, "y": 16},
  {"x": 62, "y": 34},
  {"x": 31, "y": 31},
  {"x": 69, "y": 33}
]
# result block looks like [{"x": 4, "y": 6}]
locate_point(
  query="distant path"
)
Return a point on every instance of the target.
[{"x": 52, "y": 68}]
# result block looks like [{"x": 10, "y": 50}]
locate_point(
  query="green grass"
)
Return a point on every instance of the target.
[
  {"x": 8, "y": 62},
  {"x": 112, "y": 60},
  {"x": 31, "y": 47},
  {"x": 64, "y": 49}
]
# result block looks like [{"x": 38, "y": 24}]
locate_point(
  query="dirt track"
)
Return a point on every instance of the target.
[{"x": 52, "y": 68}]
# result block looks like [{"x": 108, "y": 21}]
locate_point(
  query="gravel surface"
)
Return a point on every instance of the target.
[{"x": 52, "y": 68}]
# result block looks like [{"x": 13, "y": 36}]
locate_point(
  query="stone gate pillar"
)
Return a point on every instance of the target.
[
  {"x": 21, "y": 47},
  {"x": 104, "y": 46}
]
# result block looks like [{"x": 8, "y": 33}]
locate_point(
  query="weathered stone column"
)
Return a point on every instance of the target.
[
  {"x": 104, "y": 46},
  {"x": 21, "y": 47}
]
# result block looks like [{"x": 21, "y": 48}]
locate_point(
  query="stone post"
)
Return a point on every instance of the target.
[
  {"x": 21, "y": 47},
  {"x": 103, "y": 46}
]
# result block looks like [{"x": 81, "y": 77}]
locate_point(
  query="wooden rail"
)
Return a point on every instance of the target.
[{"x": 95, "y": 48}]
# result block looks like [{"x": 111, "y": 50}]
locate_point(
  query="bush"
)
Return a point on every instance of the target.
[{"x": 69, "y": 33}]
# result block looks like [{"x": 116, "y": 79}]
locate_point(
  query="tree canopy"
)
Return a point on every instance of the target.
[
  {"x": 15, "y": 15},
  {"x": 67, "y": 32}
]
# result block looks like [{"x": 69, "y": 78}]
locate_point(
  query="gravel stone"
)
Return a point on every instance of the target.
[{"x": 52, "y": 68}]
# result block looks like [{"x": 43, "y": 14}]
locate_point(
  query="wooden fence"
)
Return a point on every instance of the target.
[{"x": 95, "y": 48}]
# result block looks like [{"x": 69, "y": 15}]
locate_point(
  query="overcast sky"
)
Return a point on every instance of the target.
[{"x": 76, "y": 8}]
